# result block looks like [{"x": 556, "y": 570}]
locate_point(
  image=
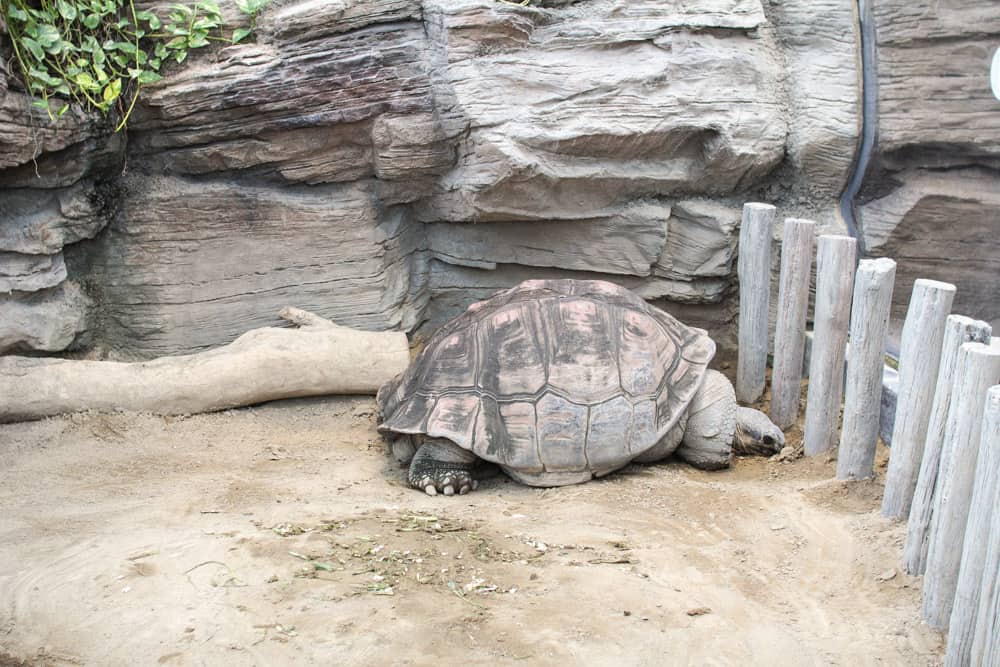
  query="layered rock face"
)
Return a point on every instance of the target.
[
  {"x": 387, "y": 162},
  {"x": 54, "y": 191},
  {"x": 931, "y": 198}
]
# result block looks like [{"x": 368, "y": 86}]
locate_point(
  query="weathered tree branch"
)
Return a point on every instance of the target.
[{"x": 317, "y": 358}]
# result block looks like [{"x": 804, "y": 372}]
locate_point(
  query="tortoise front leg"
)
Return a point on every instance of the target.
[{"x": 442, "y": 466}]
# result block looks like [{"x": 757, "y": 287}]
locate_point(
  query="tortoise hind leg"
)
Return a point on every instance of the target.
[{"x": 442, "y": 466}]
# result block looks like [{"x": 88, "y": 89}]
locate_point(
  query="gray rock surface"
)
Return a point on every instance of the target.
[
  {"x": 43, "y": 321},
  {"x": 942, "y": 226},
  {"x": 386, "y": 162},
  {"x": 193, "y": 262},
  {"x": 930, "y": 200}
]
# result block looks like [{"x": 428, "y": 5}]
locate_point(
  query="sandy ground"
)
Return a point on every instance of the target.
[{"x": 284, "y": 535}]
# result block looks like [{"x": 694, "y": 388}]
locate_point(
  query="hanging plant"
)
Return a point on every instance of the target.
[{"x": 100, "y": 53}]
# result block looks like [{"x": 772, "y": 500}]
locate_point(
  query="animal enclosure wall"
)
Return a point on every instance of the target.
[{"x": 384, "y": 163}]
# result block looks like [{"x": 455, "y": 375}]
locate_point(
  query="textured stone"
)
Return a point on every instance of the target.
[
  {"x": 26, "y": 132},
  {"x": 821, "y": 45},
  {"x": 266, "y": 90},
  {"x": 701, "y": 241},
  {"x": 931, "y": 196},
  {"x": 572, "y": 111},
  {"x": 362, "y": 159},
  {"x": 941, "y": 226},
  {"x": 30, "y": 273},
  {"x": 190, "y": 264},
  {"x": 44, "y": 321},
  {"x": 37, "y": 221},
  {"x": 935, "y": 104},
  {"x": 628, "y": 243}
]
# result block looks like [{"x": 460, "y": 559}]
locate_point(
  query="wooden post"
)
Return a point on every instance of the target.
[
  {"x": 958, "y": 330},
  {"x": 973, "y": 574},
  {"x": 919, "y": 359},
  {"x": 790, "y": 327},
  {"x": 835, "y": 262},
  {"x": 865, "y": 359},
  {"x": 754, "y": 269},
  {"x": 978, "y": 369}
]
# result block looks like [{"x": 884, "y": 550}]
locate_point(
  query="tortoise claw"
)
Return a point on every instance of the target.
[
  {"x": 449, "y": 490},
  {"x": 430, "y": 490}
]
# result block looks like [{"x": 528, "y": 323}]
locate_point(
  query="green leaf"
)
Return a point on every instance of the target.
[
  {"x": 47, "y": 35},
  {"x": 40, "y": 104},
  {"x": 44, "y": 77},
  {"x": 112, "y": 90},
  {"x": 34, "y": 47},
  {"x": 58, "y": 47},
  {"x": 161, "y": 50},
  {"x": 179, "y": 56},
  {"x": 155, "y": 63},
  {"x": 240, "y": 34},
  {"x": 177, "y": 43},
  {"x": 149, "y": 77},
  {"x": 64, "y": 108},
  {"x": 15, "y": 13},
  {"x": 120, "y": 59},
  {"x": 98, "y": 56},
  {"x": 197, "y": 40},
  {"x": 91, "y": 21},
  {"x": 205, "y": 23},
  {"x": 124, "y": 47},
  {"x": 66, "y": 10},
  {"x": 102, "y": 76},
  {"x": 183, "y": 9},
  {"x": 85, "y": 81}
]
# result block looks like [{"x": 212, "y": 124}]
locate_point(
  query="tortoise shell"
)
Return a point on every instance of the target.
[{"x": 552, "y": 376}]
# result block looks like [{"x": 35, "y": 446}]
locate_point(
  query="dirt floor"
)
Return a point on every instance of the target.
[{"x": 284, "y": 535}]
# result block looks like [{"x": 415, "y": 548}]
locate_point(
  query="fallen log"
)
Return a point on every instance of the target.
[{"x": 316, "y": 358}]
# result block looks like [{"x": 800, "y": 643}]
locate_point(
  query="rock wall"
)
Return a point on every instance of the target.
[
  {"x": 386, "y": 162},
  {"x": 932, "y": 198}
]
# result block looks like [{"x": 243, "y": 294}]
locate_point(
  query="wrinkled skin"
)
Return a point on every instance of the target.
[{"x": 756, "y": 434}]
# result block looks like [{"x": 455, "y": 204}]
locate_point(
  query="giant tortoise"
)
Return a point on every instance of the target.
[{"x": 559, "y": 381}]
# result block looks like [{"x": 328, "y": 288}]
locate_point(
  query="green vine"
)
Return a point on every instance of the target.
[{"x": 100, "y": 53}]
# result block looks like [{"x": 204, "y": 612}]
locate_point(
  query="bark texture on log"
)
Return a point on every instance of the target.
[
  {"x": 754, "y": 268},
  {"x": 790, "y": 327},
  {"x": 835, "y": 263},
  {"x": 265, "y": 364},
  {"x": 958, "y": 331},
  {"x": 920, "y": 357},
  {"x": 973, "y": 574},
  {"x": 865, "y": 359},
  {"x": 978, "y": 369}
]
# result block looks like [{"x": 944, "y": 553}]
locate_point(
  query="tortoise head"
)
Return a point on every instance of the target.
[{"x": 756, "y": 433}]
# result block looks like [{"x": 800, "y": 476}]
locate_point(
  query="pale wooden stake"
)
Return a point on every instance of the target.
[
  {"x": 919, "y": 359},
  {"x": 835, "y": 260},
  {"x": 754, "y": 269},
  {"x": 973, "y": 589},
  {"x": 978, "y": 369},
  {"x": 790, "y": 326},
  {"x": 958, "y": 330},
  {"x": 865, "y": 360}
]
